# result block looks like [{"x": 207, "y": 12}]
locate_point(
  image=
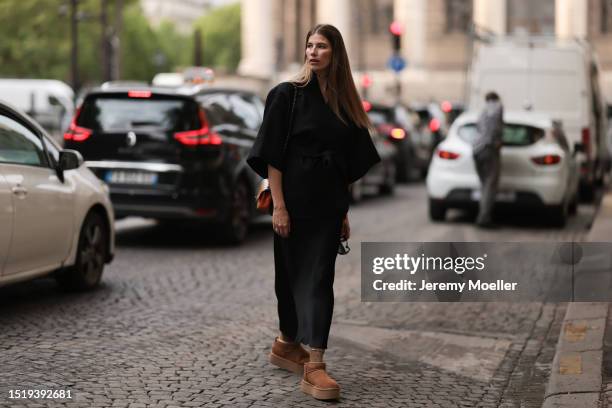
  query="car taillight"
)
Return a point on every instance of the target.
[
  {"x": 586, "y": 141},
  {"x": 139, "y": 94},
  {"x": 77, "y": 133},
  {"x": 446, "y": 106},
  {"x": 397, "y": 133},
  {"x": 546, "y": 160},
  {"x": 197, "y": 137},
  {"x": 391, "y": 131},
  {"x": 434, "y": 125},
  {"x": 445, "y": 154}
]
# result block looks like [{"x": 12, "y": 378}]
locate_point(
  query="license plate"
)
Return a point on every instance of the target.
[
  {"x": 505, "y": 196},
  {"x": 131, "y": 177}
]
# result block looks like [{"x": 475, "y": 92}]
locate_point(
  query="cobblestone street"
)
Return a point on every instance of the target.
[{"x": 183, "y": 321}]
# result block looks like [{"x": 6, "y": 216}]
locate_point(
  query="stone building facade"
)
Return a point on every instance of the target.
[{"x": 436, "y": 41}]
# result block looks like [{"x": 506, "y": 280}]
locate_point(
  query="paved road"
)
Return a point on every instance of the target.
[{"x": 182, "y": 321}]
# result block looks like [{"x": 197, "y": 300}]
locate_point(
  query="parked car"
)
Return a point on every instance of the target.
[
  {"x": 55, "y": 215},
  {"x": 173, "y": 154},
  {"x": 168, "y": 79},
  {"x": 49, "y": 102},
  {"x": 452, "y": 110},
  {"x": 380, "y": 179},
  {"x": 431, "y": 127},
  {"x": 538, "y": 168},
  {"x": 558, "y": 78},
  {"x": 396, "y": 124}
]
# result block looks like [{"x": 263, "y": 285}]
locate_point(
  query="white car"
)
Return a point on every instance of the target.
[
  {"x": 537, "y": 169},
  {"x": 554, "y": 77},
  {"x": 55, "y": 214}
]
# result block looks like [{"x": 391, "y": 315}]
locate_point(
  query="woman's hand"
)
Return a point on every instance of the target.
[
  {"x": 346, "y": 229},
  {"x": 280, "y": 221}
]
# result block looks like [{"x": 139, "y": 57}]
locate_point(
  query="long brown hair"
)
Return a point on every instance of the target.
[{"x": 341, "y": 90}]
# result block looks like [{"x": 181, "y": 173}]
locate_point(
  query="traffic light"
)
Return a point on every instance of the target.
[{"x": 396, "y": 29}]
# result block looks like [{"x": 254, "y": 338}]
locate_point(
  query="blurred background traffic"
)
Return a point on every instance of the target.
[{"x": 164, "y": 99}]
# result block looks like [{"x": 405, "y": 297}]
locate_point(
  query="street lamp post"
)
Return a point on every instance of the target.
[
  {"x": 74, "y": 45},
  {"x": 109, "y": 41},
  {"x": 396, "y": 62},
  {"x": 105, "y": 42}
]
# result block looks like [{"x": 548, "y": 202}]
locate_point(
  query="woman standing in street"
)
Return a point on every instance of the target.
[{"x": 314, "y": 141}]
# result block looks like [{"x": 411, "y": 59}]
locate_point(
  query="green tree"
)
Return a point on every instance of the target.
[
  {"x": 36, "y": 41},
  {"x": 138, "y": 45},
  {"x": 176, "y": 48},
  {"x": 221, "y": 37}
]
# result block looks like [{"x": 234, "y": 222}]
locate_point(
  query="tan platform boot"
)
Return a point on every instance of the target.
[
  {"x": 318, "y": 383},
  {"x": 289, "y": 356}
]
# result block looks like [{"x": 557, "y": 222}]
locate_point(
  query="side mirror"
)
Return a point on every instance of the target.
[{"x": 68, "y": 160}]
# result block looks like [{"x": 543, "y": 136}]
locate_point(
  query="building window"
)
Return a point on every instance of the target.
[
  {"x": 458, "y": 15},
  {"x": 377, "y": 15},
  {"x": 531, "y": 17},
  {"x": 606, "y": 16}
]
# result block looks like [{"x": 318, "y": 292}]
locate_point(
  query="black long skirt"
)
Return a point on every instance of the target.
[{"x": 304, "y": 279}]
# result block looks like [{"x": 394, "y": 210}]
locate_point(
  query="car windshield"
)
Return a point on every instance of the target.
[
  {"x": 513, "y": 135},
  {"x": 117, "y": 113}
]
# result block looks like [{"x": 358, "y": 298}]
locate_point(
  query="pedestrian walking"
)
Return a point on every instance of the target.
[
  {"x": 486, "y": 149},
  {"x": 313, "y": 143}
]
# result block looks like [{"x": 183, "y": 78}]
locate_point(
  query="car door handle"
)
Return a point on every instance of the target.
[{"x": 20, "y": 191}]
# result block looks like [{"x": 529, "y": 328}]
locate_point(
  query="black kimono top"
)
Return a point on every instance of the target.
[{"x": 323, "y": 155}]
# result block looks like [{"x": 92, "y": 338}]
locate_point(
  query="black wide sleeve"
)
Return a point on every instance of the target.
[
  {"x": 362, "y": 155},
  {"x": 269, "y": 145}
]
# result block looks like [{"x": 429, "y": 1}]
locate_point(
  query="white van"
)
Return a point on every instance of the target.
[
  {"x": 558, "y": 78},
  {"x": 49, "y": 102}
]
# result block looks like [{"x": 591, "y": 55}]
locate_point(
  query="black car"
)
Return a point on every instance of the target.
[
  {"x": 173, "y": 154},
  {"x": 397, "y": 124},
  {"x": 380, "y": 179}
]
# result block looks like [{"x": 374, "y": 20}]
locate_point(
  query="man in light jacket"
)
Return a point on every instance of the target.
[{"x": 486, "y": 148}]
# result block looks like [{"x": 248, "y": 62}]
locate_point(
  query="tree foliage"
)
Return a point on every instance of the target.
[
  {"x": 36, "y": 41},
  {"x": 221, "y": 37}
]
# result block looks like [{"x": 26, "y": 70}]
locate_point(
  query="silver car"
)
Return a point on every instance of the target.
[{"x": 55, "y": 214}]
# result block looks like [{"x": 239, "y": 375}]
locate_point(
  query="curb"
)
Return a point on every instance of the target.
[
  {"x": 576, "y": 372},
  {"x": 575, "y": 379},
  {"x": 602, "y": 229}
]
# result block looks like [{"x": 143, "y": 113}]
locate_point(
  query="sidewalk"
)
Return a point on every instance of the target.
[{"x": 579, "y": 376}]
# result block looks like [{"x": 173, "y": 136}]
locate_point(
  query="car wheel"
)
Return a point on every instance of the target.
[
  {"x": 573, "y": 207},
  {"x": 587, "y": 192},
  {"x": 423, "y": 172},
  {"x": 236, "y": 227},
  {"x": 356, "y": 191},
  {"x": 600, "y": 175},
  {"x": 86, "y": 273},
  {"x": 559, "y": 214},
  {"x": 437, "y": 210},
  {"x": 388, "y": 188},
  {"x": 403, "y": 169}
]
